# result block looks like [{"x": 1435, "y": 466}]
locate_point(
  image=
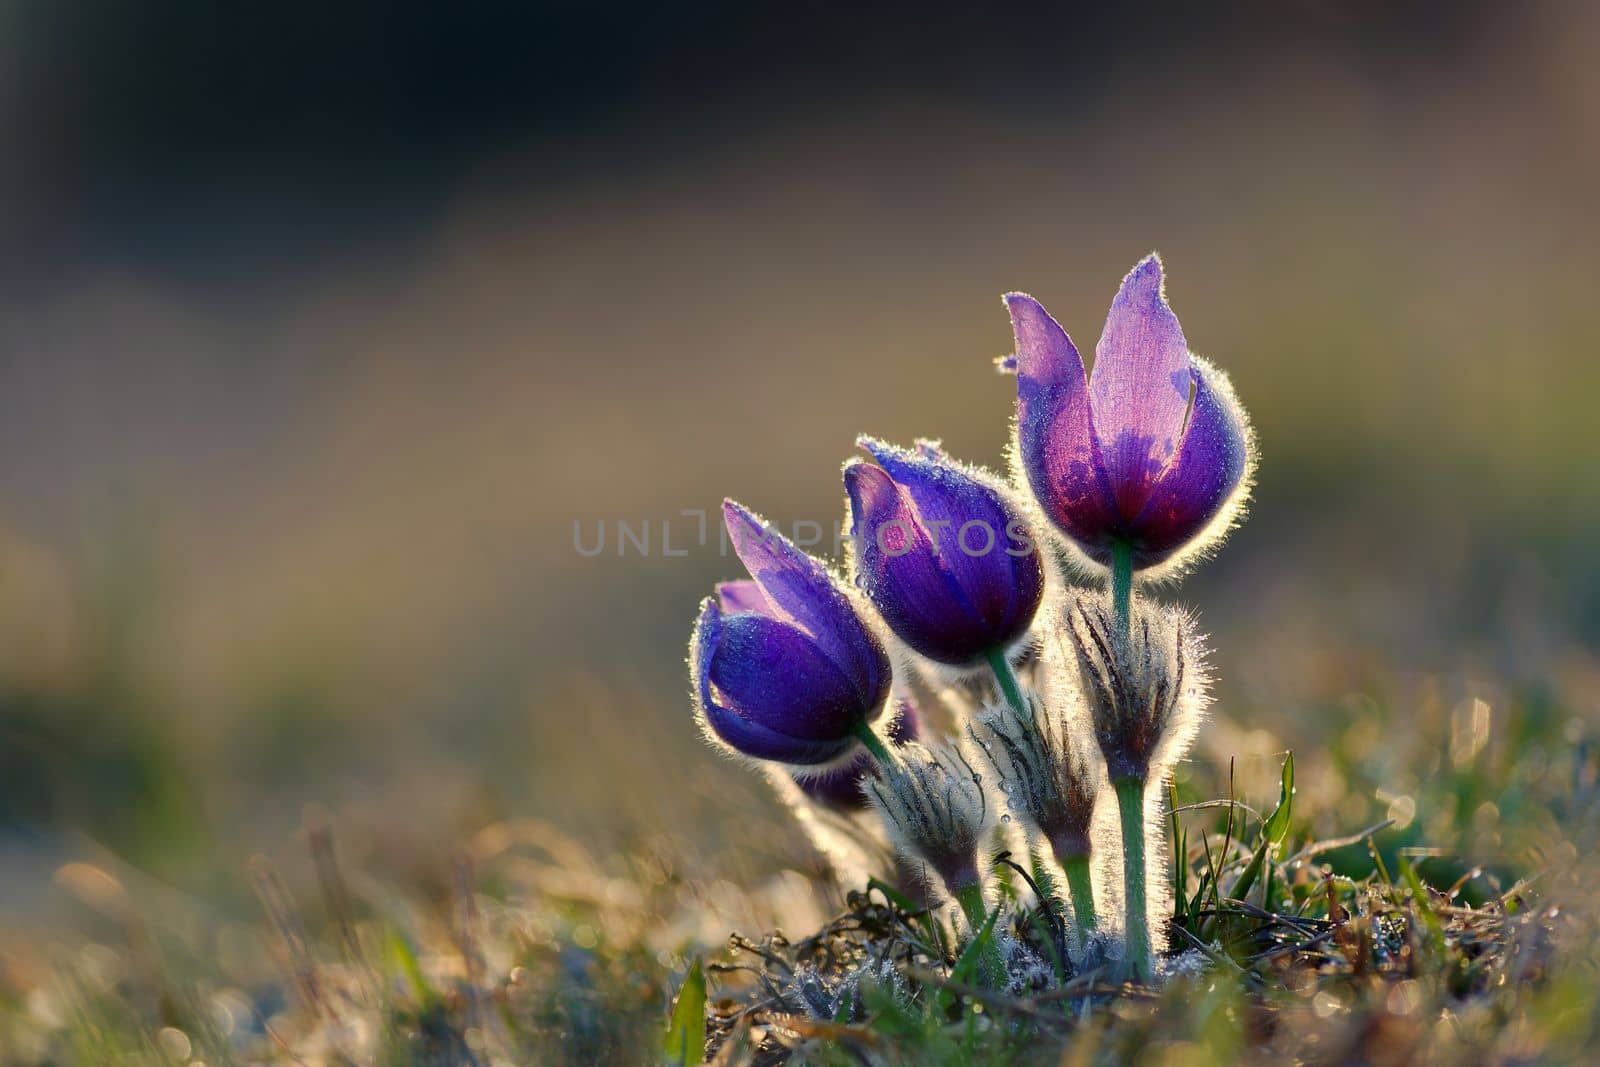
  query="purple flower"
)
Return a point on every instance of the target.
[
  {"x": 840, "y": 787},
  {"x": 783, "y": 667},
  {"x": 1151, "y": 449},
  {"x": 943, "y": 553}
]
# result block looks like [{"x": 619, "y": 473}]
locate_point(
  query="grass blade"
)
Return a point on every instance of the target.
[
  {"x": 685, "y": 1041},
  {"x": 1276, "y": 827}
]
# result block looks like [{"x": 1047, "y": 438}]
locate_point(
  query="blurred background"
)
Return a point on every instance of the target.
[{"x": 325, "y": 329}]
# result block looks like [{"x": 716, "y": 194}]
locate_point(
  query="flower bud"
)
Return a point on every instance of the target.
[
  {"x": 944, "y": 552},
  {"x": 1145, "y": 694},
  {"x": 1048, "y": 772},
  {"x": 933, "y": 804},
  {"x": 833, "y": 809},
  {"x": 784, "y": 668}
]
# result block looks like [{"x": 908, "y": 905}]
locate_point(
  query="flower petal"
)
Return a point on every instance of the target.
[
  {"x": 1139, "y": 386},
  {"x": 757, "y": 742},
  {"x": 775, "y": 676},
  {"x": 743, "y": 595},
  {"x": 906, "y": 726},
  {"x": 840, "y": 788},
  {"x": 969, "y": 524},
  {"x": 1196, "y": 485},
  {"x": 799, "y": 590},
  {"x": 1046, "y": 356},
  {"x": 731, "y": 728},
  {"x": 898, "y": 568},
  {"x": 1056, "y": 430}
]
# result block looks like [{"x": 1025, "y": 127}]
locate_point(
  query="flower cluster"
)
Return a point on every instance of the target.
[{"x": 1065, "y": 700}]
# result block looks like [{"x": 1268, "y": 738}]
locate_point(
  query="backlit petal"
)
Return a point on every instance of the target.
[
  {"x": 800, "y": 590},
  {"x": 1209, "y": 466},
  {"x": 775, "y": 676},
  {"x": 1056, "y": 430},
  {"x": 1140, "y": 386},
  {"x": 743, "y": 595}
]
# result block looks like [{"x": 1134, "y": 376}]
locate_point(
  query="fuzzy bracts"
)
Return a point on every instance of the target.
[
  {"x": 1045, "y": 768},
  {"x": 1145, "y": 694},
  {"x": 934, "y": 807}
]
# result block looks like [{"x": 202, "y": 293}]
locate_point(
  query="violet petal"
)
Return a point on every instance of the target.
[
  {"x": 1208, "y": 467},
  {"x": 800, "y": 590},
  {"x": 774, "y": 675},
  {"x": 1139, "y": 386},
  {"x": 1056, "y": 430},
  {"x": 743, "y": 595}
]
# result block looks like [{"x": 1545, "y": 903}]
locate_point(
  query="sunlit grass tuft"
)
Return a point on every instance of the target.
[{"x": 1444, "y": 940}]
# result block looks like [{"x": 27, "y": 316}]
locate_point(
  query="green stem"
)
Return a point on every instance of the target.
[
  {"x": 1130, "y": 803},
  {"x": 1006, "y": 678},
  {"x": 1044, "y": 880},
  {"x": 1122, "y": 586},
  {"x": 872, "y": 743},
  {"x": 973, "y": 906},
  {"x": 1081, "y": 889}
]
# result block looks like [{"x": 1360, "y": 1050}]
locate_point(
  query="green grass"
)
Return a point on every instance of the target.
[
  {"x": 1385, "y": 944},
  {"x": 1275, "y": 953},
  {"x": 1415, "y": 887}
]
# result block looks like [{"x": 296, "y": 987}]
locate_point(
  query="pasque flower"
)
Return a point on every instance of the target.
[
  {"x": 934, "y": 808},
  {"x": 943, "y": 553},
  {"x": 1144, "y": 685},
  {"x": 784, "y": 668},
  {"x": 1142, "y": 464},
  {"x": 1150, "y": 452},
  {"x": 1050, "y": 776}
]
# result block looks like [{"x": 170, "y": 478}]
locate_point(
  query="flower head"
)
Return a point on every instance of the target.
[
  {"x": 1145, "y": 694},
  {"x": 943, "y": 552},
  {"x": 1049, "y": 774},
  {"x": 933, "y": 804},
  {"x": 1151, "y": 448},
  {"x": 784, "y": 668}
]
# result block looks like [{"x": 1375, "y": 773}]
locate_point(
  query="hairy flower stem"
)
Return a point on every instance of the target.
[
  {"x": 970, "y": 897},
  {"x": 1130, "y": 803},
  {"x": 872, "y": 742},
  {"x": 1006, "y": 678},
  {"x": 1122, "y": 586},
  {"x": 1081, "y": 890}
]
